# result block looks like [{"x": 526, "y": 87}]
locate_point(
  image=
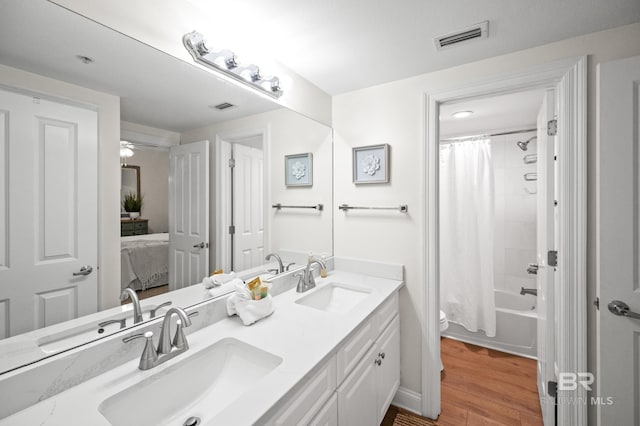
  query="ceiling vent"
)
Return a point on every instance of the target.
[
  {"x": 223, "y": 106},
  {"x": 474, "y": 32}
]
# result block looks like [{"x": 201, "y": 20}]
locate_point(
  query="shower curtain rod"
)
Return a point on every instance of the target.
[{"x": 512, "y": 132}]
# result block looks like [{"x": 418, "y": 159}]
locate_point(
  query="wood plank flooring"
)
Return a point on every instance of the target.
[{"x": 480, "y": 387}]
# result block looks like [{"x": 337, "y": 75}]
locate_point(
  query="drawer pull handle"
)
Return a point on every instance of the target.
[
  {"x": 378, "y": 361},
  {"x": 381, "y": 355}
]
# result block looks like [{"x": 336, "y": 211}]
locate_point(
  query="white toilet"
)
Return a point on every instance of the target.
[{"x": 444, "y": 324}]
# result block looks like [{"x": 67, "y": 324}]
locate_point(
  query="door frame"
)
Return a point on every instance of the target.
[
  {"x": 223, "y": 194},
  {"x": 572, "y": 221}
]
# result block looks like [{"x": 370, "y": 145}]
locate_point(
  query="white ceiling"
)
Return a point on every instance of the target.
[
  {"x": 352, "y": 44},
  {"x": 514, "y": 111},
  {"x": 338, "y": 45}
]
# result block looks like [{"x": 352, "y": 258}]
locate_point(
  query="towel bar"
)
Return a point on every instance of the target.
[
  {"x": 279, "y": 206},
  {"x": 402, "y": 208}
]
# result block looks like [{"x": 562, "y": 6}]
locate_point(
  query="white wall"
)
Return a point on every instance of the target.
[
  {"x": 108, "y": 107},
  {"x": 154, "y": 186},
  {"x": 394, "y": 113},
  {"x": 515, "y": 213},
  {"x": 287, "y": 133}
]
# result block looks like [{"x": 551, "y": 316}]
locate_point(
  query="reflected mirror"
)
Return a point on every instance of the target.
[
  {"x": 129, "y": 185},
  {"x": 171, "y": 115}
]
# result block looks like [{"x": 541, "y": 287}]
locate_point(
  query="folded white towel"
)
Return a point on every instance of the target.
[
  {"x": 249, "y": 310},
  {"x": 218, "y": 280},
  {"x": 226, "y": 288}
]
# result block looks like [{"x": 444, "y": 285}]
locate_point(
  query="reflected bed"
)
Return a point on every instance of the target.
[{"x": 144, "y": 261}]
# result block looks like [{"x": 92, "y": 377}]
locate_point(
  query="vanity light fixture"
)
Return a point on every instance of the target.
[
  {"x": 461, "y": 114},
  {"x": 226, "y": 62}
]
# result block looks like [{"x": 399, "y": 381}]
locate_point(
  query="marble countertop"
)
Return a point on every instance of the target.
[{"x": 302, "y": 336}]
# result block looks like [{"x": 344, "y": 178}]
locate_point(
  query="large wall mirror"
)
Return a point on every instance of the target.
[{"x": 164, "y": 100}]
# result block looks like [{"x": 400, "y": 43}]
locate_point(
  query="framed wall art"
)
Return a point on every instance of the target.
[
  {"x": 371, "y": 164},
  {"x": 298, "y": 169}
]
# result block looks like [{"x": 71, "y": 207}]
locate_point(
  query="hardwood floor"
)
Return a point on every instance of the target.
[{"x": 481, "y": 387}]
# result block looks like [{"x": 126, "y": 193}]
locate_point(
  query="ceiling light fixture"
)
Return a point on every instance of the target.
[
  {"x": 461, "y": 114},
  {"x": 126, "y": 151},
  {"x": 225, "y": 61}
]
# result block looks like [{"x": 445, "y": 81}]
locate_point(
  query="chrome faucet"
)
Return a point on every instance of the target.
[
  {"x": 306, "y": 281},
  {"x": 531, "y": 291},
  {"x": 280, "y": 265},
  {"x": 137, "y": 311},
  {"x": 165, "y": 344},
  {"x": 167, "y": 348}
]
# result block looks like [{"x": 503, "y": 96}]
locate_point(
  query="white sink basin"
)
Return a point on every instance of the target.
[
  {"x": 200, "y": 386},
  {"x": 334, "y": 297}
]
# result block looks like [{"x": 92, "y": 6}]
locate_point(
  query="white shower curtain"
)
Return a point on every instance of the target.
[{"x": 466, "y": 235}]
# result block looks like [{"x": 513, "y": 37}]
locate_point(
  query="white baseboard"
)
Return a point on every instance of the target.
[{"x": 408, "y": 399}]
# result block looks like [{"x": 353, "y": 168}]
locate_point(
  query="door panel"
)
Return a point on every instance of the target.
[
  {"x": 48, "y": 215},
  {"x": 618, "y": 241},
  {"x": 188, "y": 214},
  {"x": 545, "y": 242},
  {"x": 248, "y": 211}
]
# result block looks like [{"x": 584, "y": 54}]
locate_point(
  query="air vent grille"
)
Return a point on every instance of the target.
[
  {"x": 223, "y": 106},
  {"x": 474, "y": 32}
]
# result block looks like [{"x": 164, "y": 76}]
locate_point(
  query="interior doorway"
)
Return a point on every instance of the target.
[
  {"x": 567, "y": 78},
  {"x": 496, "y": 225}
]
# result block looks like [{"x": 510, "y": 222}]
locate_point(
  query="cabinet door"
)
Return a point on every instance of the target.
[
  {"x": 357, "y": 396},
  {"x": 328, "y": 415},
  {"x": 388, "y": 371}
]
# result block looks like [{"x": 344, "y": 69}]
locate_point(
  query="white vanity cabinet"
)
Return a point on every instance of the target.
[
  {"x": 357, "y": 384},
  {"x": 365, "y": 395}
]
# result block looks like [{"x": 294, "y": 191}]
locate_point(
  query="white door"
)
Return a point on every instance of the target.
[
  {"x": 188, "y": 214},
  {"x": 248, "y": 207},
  {"x": 48, "y": 213},
  {"x": 545, "y": 243},
  {"x": 618, "y": 241}
]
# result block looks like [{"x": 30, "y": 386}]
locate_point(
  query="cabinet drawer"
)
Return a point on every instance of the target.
[
  {"x": 308, "y": 399},
  {"x": 140, "y": 225},
  {"x": 127, "y": 226},
  {"x": 354, "y": 348},
  {"x": 386, "y": 312}
]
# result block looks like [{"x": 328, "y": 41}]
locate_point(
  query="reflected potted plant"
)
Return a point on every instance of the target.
[{"x": 132, "y": 204}]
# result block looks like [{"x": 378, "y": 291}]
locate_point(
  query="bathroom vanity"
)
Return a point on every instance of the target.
[{"x": 330, "y": 355}]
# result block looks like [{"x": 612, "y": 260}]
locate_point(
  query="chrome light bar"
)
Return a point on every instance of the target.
[{"x": 225, "y": 61}]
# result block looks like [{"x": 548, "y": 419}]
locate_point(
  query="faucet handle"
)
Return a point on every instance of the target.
[
  {"x": 149, "y": 356},
  {"x": 103, "y": 324},
  {"x": 179, "y": 339},
  {"x": 154, "y": 311},
  {"x": 289, "y": 265}
]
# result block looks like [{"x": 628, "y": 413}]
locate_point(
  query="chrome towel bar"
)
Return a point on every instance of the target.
[
  {"x": 279, "y": 206},
  {"x": 402, "y": 208}
]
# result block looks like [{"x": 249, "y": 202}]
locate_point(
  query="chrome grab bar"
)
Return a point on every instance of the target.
[{"x": 617, "y": 307}]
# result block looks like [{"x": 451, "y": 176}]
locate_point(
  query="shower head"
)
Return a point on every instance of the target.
[{"x": 524, "y": 145}]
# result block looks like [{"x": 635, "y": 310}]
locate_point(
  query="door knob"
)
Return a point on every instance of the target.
[
  {"x": 85, "y": 270},
  {"x": 201, "y": 245},
  {"x": 617, "y": 307}
]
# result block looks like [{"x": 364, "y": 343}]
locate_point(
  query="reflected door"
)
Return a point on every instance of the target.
[
  {"x": 248, "y": 207},
  {"x": 188, "y": 214},
  {"x": 48, "y": 213}
]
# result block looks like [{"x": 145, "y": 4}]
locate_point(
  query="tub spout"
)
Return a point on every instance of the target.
[{"x": 532, "y": 291}]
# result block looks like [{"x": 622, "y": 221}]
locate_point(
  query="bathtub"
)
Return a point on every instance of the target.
[{"x": 516, "y": 326}]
